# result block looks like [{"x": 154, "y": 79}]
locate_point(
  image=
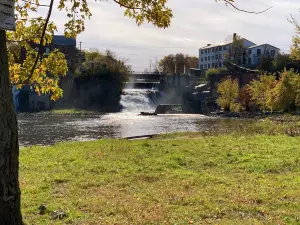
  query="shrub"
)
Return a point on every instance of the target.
[
  {"x": 211, "y": 71},
  {"x": 262, "y": 93},
  {"x": 223, "y": 70},
  {"x": 228, "y": 90},
  {"x": 271, "y": 94},
  {"x": 287, "y": 91}
]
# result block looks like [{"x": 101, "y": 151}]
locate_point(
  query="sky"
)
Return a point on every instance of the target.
[{"x": 196, "y": 23}]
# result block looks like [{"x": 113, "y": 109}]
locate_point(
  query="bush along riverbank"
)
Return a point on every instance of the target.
[
  {"x": 187, "y": 178},
  {"x": 268, "y": 93}
]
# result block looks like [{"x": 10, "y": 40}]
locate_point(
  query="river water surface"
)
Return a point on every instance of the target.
[
  {"x": 43, "y": 129},
  {"x": 47, "y": 129}
]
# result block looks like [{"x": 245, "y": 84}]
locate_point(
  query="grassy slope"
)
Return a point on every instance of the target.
[{"x": 202, "y": 180}]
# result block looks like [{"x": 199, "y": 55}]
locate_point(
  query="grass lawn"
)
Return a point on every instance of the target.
[{"x": 173, "y": 179}]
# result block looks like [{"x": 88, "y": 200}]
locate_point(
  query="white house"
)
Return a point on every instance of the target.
[
  {"x": 213, "y": 55},
  {"x": 255, "y": 52}
]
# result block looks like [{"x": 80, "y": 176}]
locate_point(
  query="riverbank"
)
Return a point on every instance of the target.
[
  {"x": 254, "y": 115},
  {"x": 187, "y": 178}
]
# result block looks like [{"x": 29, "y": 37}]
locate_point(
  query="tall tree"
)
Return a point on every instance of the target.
[
  {"x": 236, "y": 50},
  {"x": 98, "y": 63},
  {"x": 34, "y": 71}
]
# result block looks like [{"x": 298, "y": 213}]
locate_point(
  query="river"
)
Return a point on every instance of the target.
[{"x": 47, "y": 129}]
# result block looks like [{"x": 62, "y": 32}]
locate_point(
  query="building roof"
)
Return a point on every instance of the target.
[
  {"x": 62, "y": 40},
  {"x": 254, "y": 46},
  {"x": 216, "y": 45},
  {"x": 222, "y": 44}
]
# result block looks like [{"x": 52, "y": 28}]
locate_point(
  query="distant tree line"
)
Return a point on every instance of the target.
[{"x": 177, "y": 64}]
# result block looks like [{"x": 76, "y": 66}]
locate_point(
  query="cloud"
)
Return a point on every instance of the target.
[{"x": 195, "y": 24}]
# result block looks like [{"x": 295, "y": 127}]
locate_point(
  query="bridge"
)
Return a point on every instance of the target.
[
  {"x": 145, "y": 80},
  {"x": 146, "y": 77},
  {"x": 149, "y": 80}
]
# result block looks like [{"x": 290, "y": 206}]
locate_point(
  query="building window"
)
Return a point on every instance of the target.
[
  {"x": 202, "y": 52},
  {"x": 258, "y": 51},
  {"x": 220, "y": 65},
  {"x": 208, "y": 58},
  {"x": 272, "y": 52},
  {"x": 201, "y": 67},
  {"x": 201, "y": 59},
  {"x": 220, "y": 56},
  {"x": 213, "y": 57},
  {"x": 208, "y": 65},
  {"x": 212, "y": 49},
  {"x": 249, "y": 61},
  {"x": 209, "y": 50},
  {"x": 216, "y": 56},
  {"x": 220, "y": 48},
  {"x": 225, "y": 47},
  {"x": 249, "y": 52},
  {"x": 205, "y": 59},
  {"x": 212, "y": 65},
  {"x": 205, "y": 51},
  {"x": 205, "y": 66}
]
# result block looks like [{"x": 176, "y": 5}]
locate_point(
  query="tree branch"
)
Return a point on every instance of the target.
[
  {"x": 125, "y": 6},
  {"x": 242, "y": 10},
  {"x": 41, "y": 41}
]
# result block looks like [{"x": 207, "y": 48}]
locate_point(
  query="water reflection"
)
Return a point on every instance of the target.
[{"x": 39, "y": 129}]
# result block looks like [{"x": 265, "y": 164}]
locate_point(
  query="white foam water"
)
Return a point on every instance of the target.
[{"x": 136, "y": 100}]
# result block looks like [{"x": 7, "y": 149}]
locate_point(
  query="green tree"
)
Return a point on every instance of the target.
[
  {"x": 287, "y": 91},
  {"x": 266, "y": 63},
  {"x": 98, "y": 63},
  {"x": 228, "y": 91},
  {"x": 236, "y": 50},
  {"x": 281, "y": 61},
  {"x": 262, "y": 92}
]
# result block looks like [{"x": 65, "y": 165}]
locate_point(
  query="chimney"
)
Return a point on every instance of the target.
[{"x": 208, "y": 44}]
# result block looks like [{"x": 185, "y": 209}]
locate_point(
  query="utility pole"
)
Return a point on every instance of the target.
[{"x": 150, "y": 65}]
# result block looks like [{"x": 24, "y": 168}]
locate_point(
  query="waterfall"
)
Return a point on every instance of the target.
[{"x": 137, "y": 100}]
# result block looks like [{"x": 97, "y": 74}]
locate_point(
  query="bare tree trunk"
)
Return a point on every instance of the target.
[{"x": 10, "y": 211}]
